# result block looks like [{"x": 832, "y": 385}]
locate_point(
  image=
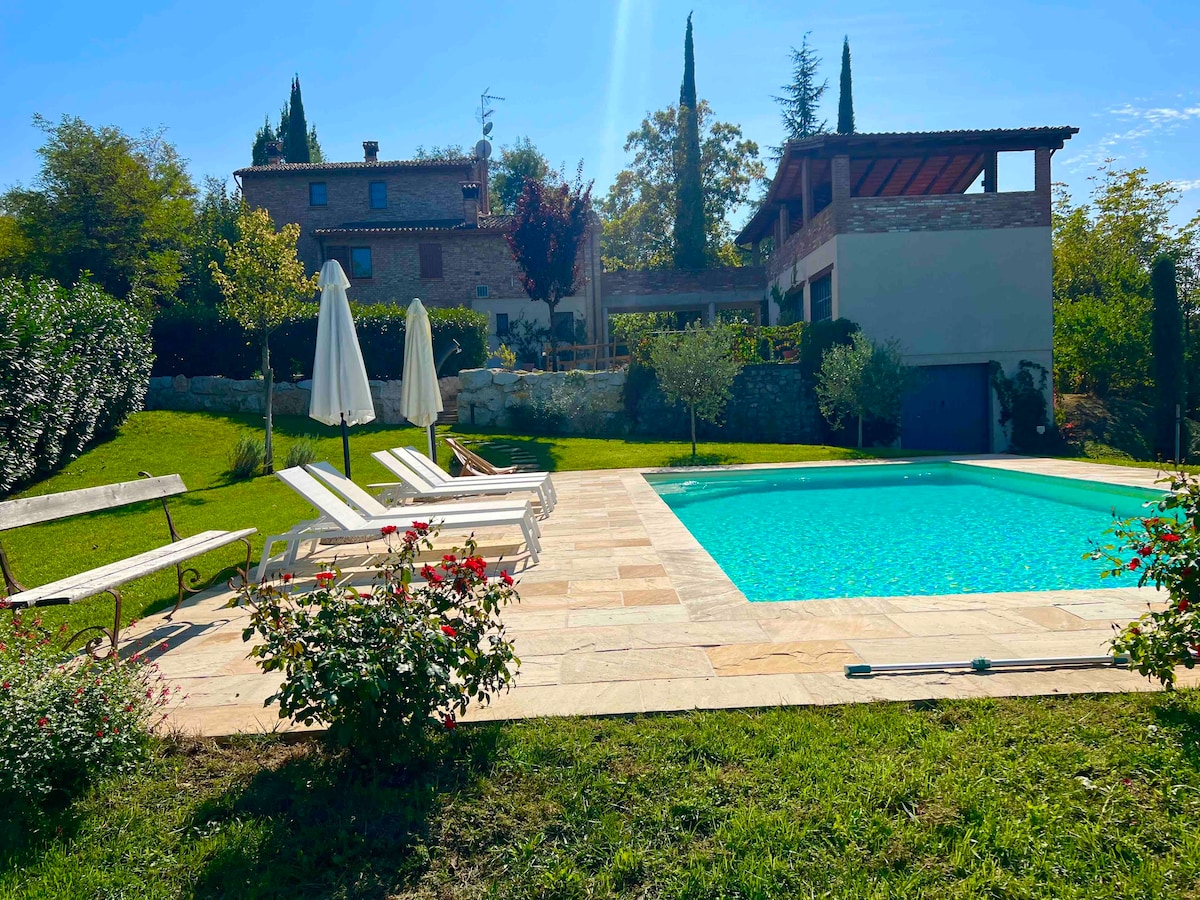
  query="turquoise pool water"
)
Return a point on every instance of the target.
[{"x": 897, "y": 530}]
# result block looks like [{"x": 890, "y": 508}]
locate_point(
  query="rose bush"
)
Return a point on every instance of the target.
[
  {"x": 67, "y": 720},
  {"x": 380, "y": 666},
  {"x": 1164, "y": 550}
]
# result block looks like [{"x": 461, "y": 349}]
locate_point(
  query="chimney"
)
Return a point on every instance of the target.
[
  {"x": 470, "y": 191},
  {"x": 371, "y": 151},
  {"x": 274, "y": 153}
]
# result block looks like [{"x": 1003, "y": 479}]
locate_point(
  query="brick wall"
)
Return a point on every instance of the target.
[
  {"x": 670, "y": 281},
  {"x": 946, "y": 212},
  {"x": 415, "y": 193},
  {"x": 820, "y": 229}
]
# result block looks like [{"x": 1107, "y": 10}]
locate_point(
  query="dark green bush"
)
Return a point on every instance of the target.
[
  {"x": 201, "y": 341},
  {"x": 73, "y": 365},
  {"x": 817, "y": 337}
]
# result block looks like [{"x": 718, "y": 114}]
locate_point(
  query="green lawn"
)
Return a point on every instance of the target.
[
  {"x": 196, "y": 446},
  {"x": 1083, "y": 797}
]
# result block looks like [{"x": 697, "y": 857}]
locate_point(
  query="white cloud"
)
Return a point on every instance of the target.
[
  {"x": 1186, "y": 184},
  {"x": 1130, "y": 128}
]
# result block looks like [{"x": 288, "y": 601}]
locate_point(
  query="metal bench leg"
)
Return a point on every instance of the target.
[
  {"x": 11, "y": 585},
  {"x": 113, "y": 634}
]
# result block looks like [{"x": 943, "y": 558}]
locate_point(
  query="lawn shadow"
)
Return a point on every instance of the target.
[
  {"x": 322, "y": 824},
  {"x": 1184, "y": 721}
]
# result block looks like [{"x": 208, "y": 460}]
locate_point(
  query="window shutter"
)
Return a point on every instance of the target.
[{"x": 431, "y": 260}]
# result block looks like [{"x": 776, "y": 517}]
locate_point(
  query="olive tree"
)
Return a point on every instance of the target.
[
  {"x": 696, "y": 367},
  {"x": 264, "y": 285},
  {"x": 864, "y": 380}
]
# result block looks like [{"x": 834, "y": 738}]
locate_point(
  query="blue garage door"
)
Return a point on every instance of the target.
[{"x": 947, "y": 409}]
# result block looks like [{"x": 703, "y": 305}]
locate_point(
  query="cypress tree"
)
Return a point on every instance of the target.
[
  {"x": 295, "y": 139},
  {"x": 1170, "y": 377},
  {"x": 689, "y": 192},
  {"x": 265, "y": 135},
  {"x": 846, "y": 93}
]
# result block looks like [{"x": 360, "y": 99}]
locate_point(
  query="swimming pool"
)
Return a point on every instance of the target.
[{"x": 897, "y": 530}]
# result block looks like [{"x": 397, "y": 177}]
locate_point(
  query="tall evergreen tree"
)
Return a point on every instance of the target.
[
  {"x": 845, "y": 94},
  {"x": 265, "y": 135},
  {"x": 689, "y": 192},
  {"x": 1170, "y": 376},
  {"x": 802, "y": 96},
  {"x": 295, "y": 134}
]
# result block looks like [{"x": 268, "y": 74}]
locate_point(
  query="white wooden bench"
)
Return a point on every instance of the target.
[{"x": 107, "y": 579}]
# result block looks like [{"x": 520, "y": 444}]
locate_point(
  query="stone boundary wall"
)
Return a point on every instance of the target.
[
  {"x": 771, "y": 403},
  {"x": 211, "y": 393}
]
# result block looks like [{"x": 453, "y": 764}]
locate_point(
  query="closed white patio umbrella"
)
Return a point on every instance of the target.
[
  {"x": 340, "y": 390},
  {"x": 420, "y": 397}
]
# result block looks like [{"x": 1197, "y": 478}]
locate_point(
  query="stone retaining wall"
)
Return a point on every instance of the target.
[
  {"x": 771, "y": 403},
  {"x": 209, "y": 393}
]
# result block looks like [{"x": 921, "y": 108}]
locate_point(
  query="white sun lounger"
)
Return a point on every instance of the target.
[
  {"x": 421, "y": 478},
  {"x": 413, "y": 484},
  {"x": 338, "y": 520},
  {"x": 370, "y": 507}
]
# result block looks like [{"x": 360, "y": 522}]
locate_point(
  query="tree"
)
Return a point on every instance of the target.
[
  {"x": 216, "y": 221},
  {"x": 104, "y": 203},
  {"x": 516, "y": 165},
  {"x": 293, "y": 130},
  {"x": 862, "y": 379},
  {"x": 1103, "y": 251},
  {"x": 696, "y": 367},
  {"x": 801, "y": 96},
  {"x": 639, "y": 208},
  {"x": 845, "y": 123},
  {"x": 264, "y": 285},
  {"x": 689, "y": 194},
  {"x": 545, "y": 236},
  {"x": 262, "y": 139},
  {"x": 1170, "y": 376},
  {"x": 449, "y": 151}
]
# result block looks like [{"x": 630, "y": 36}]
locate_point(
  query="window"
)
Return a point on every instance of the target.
[
  {"x": 341, "y": 254},
  {"x": 378, "y": 195},
  {"x": 431, "y": 260},
  {"x": 822, "y": 298},
  {"x": 501, "y": 324},
  {"x": 360, "y": 262},
  {"x": 564, "y": 326},
  {"x": 317, "y": 195},
  {"x": 481, "y": 292}
]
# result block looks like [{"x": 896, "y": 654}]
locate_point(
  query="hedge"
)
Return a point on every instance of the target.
[
  {"x": 74, "y": 363},
  {"x": 203, "y": 341}
]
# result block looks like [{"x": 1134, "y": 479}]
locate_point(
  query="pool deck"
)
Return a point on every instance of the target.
[{"x": 627, "y": 613}]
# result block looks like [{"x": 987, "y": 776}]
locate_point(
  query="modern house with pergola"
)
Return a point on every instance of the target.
[{"x": 911, "y": 236}]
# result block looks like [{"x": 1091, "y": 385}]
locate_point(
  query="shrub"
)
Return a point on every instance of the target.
[
  {"x": 1165, "y": 550},
  {"x": 200, "y": 341},
  {"x": 817, "y": 337},
  {"x": 65, "y": 721},
  {"x": 508, "y": 359},
  {"x": 247, "y": 456},
  {"x": 380, "y": 666},
  {"x": 1022, "y": 404},
  {"x": 565, "y": 403},
  {"x": 301, "y": 453},
  {"x": 73, "y": 365}
]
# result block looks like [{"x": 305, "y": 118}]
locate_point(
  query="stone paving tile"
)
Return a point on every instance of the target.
[
  {"x": 726, "y": 692},
  {"x": 1061, "y": 643},
  {"x": 781, "y": 658},
  {"x": 635, "y": 665},
  {"x": 630, "y": 615},
  {"x": 949, "y": 648},
  {"x": 949, "y": 622},
  {"x": 818, "y": 628},
  {"x": 1054, "y": 618},
  {"x": 662, "y": 597},
  {"x": 642, "y": 571}
]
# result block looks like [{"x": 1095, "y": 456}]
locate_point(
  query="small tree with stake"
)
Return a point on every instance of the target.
[
  {"x": 696, "y": 368},
  {"x": 264, "y": 285},
  {"x": 545, "y": 237},
  {"x": 863, "y": 380}
]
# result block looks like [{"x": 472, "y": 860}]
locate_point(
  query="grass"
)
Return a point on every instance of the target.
[
  {"x": 196, "y": 446},
  {"x": 1085, "y": 797}
]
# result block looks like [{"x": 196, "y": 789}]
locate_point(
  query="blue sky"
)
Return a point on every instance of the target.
[{"x": 578, "y": 76}]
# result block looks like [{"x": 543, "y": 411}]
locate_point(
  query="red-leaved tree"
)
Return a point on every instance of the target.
[{"x": 546, "y": 235}]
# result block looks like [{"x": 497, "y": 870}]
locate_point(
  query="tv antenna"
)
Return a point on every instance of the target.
[{"x": 484, "y": 114}]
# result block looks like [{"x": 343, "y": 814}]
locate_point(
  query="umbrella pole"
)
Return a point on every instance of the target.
[
  {"x": 433, "y": 443},
  {"x": 345, "y": 446}
]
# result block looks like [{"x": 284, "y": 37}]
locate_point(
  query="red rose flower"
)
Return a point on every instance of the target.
[
  {"x": 421, "y": 526},
  {"x": 449, "y": 723},
  {"x": 43, "y": 722},
  {"x": 364, "y": 595},
  {"x": 506, "y": 578},
  {"x": 324, "y": 578},
  {"x": 1168, "y": 538},
  {"x": 387, "y": 529},
  {"x": 1145, "y": 550},
  {"x": 1134, "y": 563},
  {"x": 286, "y": 577},
  {"x": 427, "y": 571},
  {"x": 449, "y": 631},
  {"x": 1183, "y": 604},
  {"x": 410, "y": 537},
  {"x": 1135, "y": 630},
  {"x": 1186, "y": 572}
]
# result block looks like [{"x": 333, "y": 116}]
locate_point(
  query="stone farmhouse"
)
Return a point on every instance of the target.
[
  {"x": 907, "y": 234},
  {"x": 884, "y": 229},
  {"x": 413, "y": 228}
]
